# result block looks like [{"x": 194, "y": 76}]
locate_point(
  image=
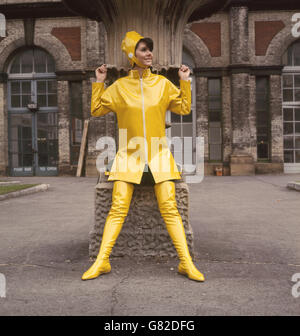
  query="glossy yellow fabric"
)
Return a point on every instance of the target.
[
  {"x": 128, "y": 46},
  {"x": 140, "y": 105},
  {"x": 165, "y": 194},
  {"x": 121, "y": 199}
]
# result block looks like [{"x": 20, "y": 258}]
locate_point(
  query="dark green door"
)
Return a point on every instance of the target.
[
  {"x": 33, "y": 144},
  {"x": 32, "y": 114}
]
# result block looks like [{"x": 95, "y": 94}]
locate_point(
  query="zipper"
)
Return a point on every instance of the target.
[{"x": 144, "y": 122}]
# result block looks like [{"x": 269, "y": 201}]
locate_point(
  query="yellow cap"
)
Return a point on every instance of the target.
[{"x": 128, "y": 46}]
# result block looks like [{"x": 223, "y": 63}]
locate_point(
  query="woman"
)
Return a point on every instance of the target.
[{"x": 140, "y": 101}]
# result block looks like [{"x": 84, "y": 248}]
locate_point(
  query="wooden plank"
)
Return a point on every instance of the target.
[{"x": 82, "y": 147}]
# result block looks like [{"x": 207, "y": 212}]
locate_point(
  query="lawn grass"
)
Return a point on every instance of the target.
[{"x": 10, "y": 188}]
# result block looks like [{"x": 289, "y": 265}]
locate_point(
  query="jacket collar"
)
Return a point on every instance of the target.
[{"x": 135, "y": 73}]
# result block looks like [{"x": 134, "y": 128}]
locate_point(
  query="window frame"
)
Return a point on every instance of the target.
[
  {"x": 210, "y": 122},
  {"x": 268, "y": 123},
  {"x": 75, "y": 147},
  {"x": 290, "y": 167}
]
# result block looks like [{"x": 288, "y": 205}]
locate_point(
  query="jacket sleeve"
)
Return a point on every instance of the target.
[
  {"x": 180, "y": 100},
  {"x": 102, "y": 100}
]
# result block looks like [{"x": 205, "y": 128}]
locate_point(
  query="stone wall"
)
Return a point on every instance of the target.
[
  {"x": 77, "y": 50},
  {"x": 252, "y": 44},
  {"x": 236, "y": 45}
]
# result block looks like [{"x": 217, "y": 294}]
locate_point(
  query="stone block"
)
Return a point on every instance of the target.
[
  {"x": 294, "y": 185},
  {"x": 144, "y": 233},
  {"x": 241, "y": 165},
  {"x": 90, "y": 166},
  {"x": 269, "y": 168}
]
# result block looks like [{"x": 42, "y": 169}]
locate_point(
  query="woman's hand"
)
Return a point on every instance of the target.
[
  {"x": 184, "y": 72},
  {"x": 101, "y": 73}
]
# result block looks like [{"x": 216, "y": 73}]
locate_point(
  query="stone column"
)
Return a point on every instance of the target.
[
  {"x": 86, "y": 99},
  {"x": 63, "y": 127},
  {"x": 239, "y": 35},
  {"x": 163, "y": 20},
  {"x": 241, "y": 160},
  {"x": 252, "y": 117},
  {"x": 3, "y": 134},
  {"x": 202, "y": 112},
  {"x": 276, "y": 124},
  {"x": 226, "y": 123},
  {"x": 94, "y": 43}
]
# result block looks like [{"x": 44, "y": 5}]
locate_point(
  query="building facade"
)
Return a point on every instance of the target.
[{"x": 245, "y": 63}]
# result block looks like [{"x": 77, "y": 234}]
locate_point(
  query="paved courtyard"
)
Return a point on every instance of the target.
[{"x": 247, "y": 243}]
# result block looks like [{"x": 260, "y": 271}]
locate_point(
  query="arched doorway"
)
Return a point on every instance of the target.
[
  {"x": 184, "y": 127},
  {"x": 291, "y": 108},
  {"x": 32, "y": 114}
]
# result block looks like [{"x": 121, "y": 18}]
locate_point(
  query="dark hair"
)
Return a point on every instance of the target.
[{"x": 148, "y": 41}]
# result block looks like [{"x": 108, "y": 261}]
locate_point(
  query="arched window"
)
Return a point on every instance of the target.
[
  {"x": 32, "y": 78},
  {"x": 32, "y": 113},
  {"x": 291, "y": 107},
  {"x": 292, "y": 56}
]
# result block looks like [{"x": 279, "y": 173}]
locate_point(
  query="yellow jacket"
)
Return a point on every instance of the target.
[{"x": 140, "y": 105}]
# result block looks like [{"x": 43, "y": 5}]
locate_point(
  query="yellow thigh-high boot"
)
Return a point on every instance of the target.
[
  {"x": 165, "y": 194},
  {"x": 121, "y": 198}
]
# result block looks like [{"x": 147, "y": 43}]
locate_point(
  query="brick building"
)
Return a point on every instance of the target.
[{"x": 246, "y": 87}]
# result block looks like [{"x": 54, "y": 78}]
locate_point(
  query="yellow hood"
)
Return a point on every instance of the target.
[{"x": 128, "y": 46}]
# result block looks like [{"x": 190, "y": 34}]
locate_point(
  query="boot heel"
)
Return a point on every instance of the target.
[
  {"x": 107, "y": 269},
  {"x": 191, "y": 272}
]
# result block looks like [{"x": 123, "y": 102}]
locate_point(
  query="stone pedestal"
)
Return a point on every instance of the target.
[{"x": 144, "y": 233}]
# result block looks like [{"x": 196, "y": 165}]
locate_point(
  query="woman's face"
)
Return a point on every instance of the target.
[{"x": 143, "y": 54}]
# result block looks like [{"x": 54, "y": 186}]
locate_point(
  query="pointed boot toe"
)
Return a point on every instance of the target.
[
  {"x": 97, "y": 269},
  {"x": 189, "y": 269}
]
